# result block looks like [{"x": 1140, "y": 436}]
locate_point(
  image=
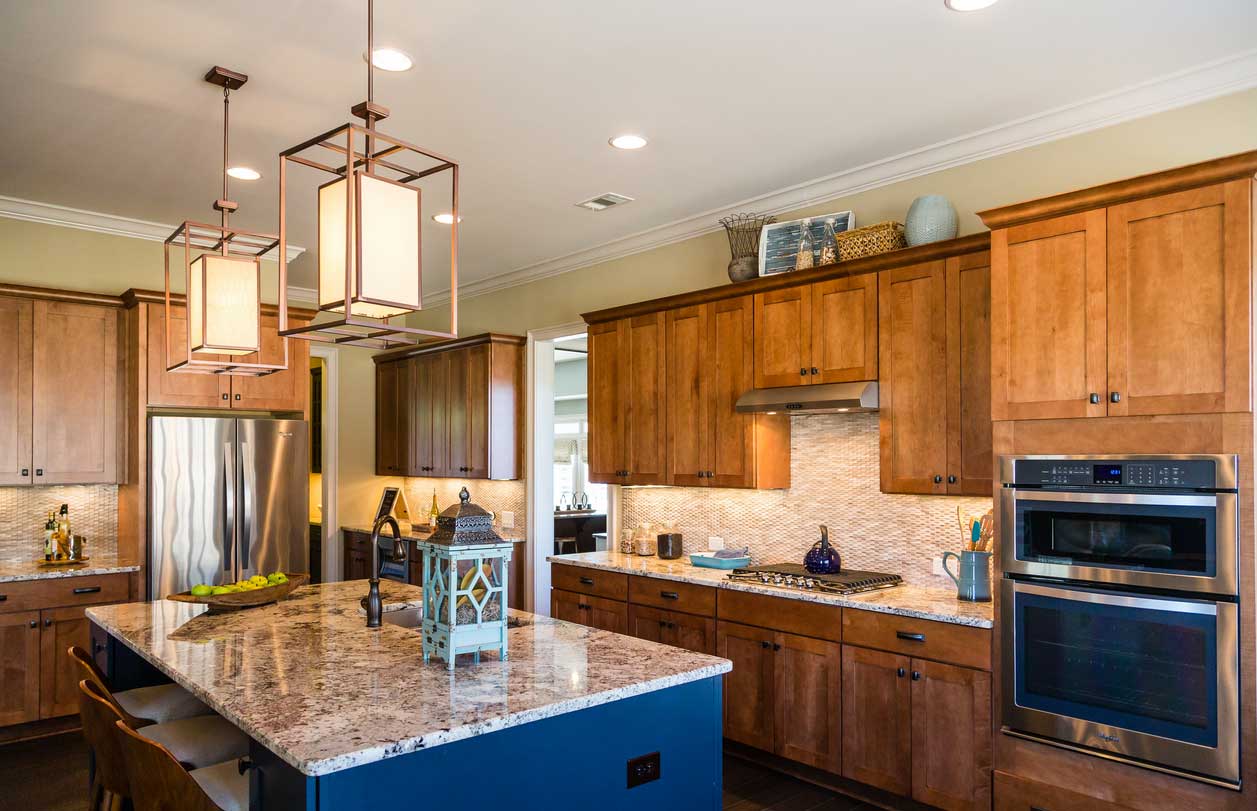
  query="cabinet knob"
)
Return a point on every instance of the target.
[
  {"x": 900, "y": 672},
  {"x": 776, "y": 646},
  {"x": 48, "y": 622},
  {"x": 663, "y": 624},
  {"x": 1094, "y": 398},
  {"x": 237, "y": 396},
  {"x": 815, "y": 371},
  {"x": 34, "y": 623},
  {"x": 26, "y": 471},
  {"x": 1115, "y": 397},
  {"x": 951, "y": 479},
  {"x": 226, "y": 396},
  {"x": 938, "y": 479},
  {"x": 39, "y": 471},
  {"x": 765, "y": 645},
  {"x": 803, "y": 372},
  {"x": 916, "y": 675}
]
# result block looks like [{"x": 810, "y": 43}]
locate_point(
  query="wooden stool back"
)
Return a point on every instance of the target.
[
  {"x": 91, "y": 673},
  {"x": 158, "y": 782},
  {"x": 109, "y": 784}
]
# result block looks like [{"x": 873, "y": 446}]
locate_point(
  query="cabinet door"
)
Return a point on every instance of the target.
[
  {"x": 608, "y": 359},
  {"x": 728, "y": 361},
  {"x": 430, "y": 422},
  {"x": 689, "y": 353},
  {"x": 19, "y": 667},
  {"x": 749, "y": 705},
  {"x": 951, "y": 736},
  {"x": 969, "y": 454},
  {"x": 477, "y": 394},
  {"x": 877, "y": 719},
  {"x": 808, "y": 721},
  {"x": 285, "y": 390},
  {"x": 458, "y": 418},
  {"x": 693, "y": 633},
  {"x": 607, "y": 615},
  {"x": 58, "y": 674},
  {"x": 567, "y": 606},
  {"x": 844, "y": 329},
  {"x": 179, "y": 389},
  {"x": 913, "y": 379},
  {"x": 645, "y": 399},
  {"x": 15, "y": 392},
  {"x": 647, "y": 623},
  {"x": 1048, "y": 318},
  {"x": 1179, "y": 302},
  {"x": 75, "y": 393},
  {"x": 783, "y": 337},
  {"x": 390, "y": 431}
]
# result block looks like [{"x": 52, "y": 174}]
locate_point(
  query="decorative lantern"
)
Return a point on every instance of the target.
[
  {"x": 223, "y": 279},
  {"x": 465, "y": 565}
]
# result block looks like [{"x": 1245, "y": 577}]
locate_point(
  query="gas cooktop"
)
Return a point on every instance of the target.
[{"x": 794, "y": 576}]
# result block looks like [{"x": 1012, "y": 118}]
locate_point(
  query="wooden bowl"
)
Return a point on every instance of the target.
[{"x": 244, "y": 599}]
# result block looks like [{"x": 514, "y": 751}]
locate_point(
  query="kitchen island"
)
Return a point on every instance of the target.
[{"x": 346, "y": 717}]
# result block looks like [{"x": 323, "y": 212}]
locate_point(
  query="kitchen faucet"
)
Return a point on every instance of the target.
[{"x": 372, "y": 602}]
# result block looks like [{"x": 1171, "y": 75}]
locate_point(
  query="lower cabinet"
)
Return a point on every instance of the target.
[
  {"x": 674, "y": 628},
  {"x": 596, "y": 612},
  {"x": 357, "y": 555},
  {"x": 1013, "y": 793},
  {"x": 58, "y": 674},
  {"x": 19, "y": 667},
  {"x": 750, "y": 687},
  {"x": 917, "y": 728}
]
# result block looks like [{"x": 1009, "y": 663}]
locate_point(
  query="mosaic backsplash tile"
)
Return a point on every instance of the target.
[
  {"x": 23, "y": 511},
  {"x": 492, "y": 495},
  {"x": 834, "y": 472}
]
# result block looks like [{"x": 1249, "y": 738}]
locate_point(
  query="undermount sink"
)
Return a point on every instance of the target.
[{"x": 413, "y": 618}]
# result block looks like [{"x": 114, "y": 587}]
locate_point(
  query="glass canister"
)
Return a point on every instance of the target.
[
  {"x": 804, "y": 259},
  {"x": 644, "y": 540},
  {"x": 626, "y": 541}
]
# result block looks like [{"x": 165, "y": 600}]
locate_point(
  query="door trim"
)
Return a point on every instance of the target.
[{"x": 333, "y": 548}]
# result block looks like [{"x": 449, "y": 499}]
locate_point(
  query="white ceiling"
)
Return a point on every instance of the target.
[{"x": 103, "y": 107}]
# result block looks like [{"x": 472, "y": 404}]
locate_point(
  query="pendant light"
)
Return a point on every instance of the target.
[
  {"x": 370, "y": 226},
  {"x": 223, "y": 279}
]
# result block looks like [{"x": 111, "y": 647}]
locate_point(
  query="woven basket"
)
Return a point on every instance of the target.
[{"x": 870, "y": 240}]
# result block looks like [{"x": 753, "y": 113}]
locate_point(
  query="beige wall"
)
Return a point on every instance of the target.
[{"x": 1208, "y": 130}]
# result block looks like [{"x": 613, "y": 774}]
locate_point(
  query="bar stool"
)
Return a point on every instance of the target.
[
  {"x": 109, "y": 778},
  {"x": 559, "y": 543},
  {"x": 143, "y": 705},
  {"x": 159, "y": 783}
]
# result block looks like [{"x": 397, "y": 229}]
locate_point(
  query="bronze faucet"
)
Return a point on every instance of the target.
[{"x": 372, "y": 602}]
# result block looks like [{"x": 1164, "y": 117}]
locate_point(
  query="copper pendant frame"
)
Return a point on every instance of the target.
[
  {"x": 354, "y": 162},
  {"x": 234, "y": 244}
]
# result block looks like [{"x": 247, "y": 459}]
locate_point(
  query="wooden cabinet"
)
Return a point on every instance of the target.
[
  {"x": 808, "y": 701},
  {"x": 58, "y": 674},
  {"x": 74, "y": 394},
  {"x": 450, "y": 409},
  {"x": 710, "y": 358},
  {"x": 286, "y": 390},
  {"x": 19, "y": 667},
  {"x": 1015, "y": 793},
  {"x": 935, "y": 427},
  {"x": 674, "y": 628},
  {"x": 16, "y": 336},
  {"x": 627, "y": 402},
  {"x": 819, "y": 333},
  {"x": 877, "y": 719},
  {"x": 595, "y": 612},
  {"x": 750, "y": 688}
]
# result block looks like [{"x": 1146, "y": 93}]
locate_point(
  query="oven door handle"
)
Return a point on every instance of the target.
[
  {"x": 1178, "y": 606},
  {"x": 1093, "y": 497}
]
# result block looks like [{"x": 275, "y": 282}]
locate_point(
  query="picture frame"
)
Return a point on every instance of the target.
[
  {"x": 779, "y": 241},
  {"x": 387, "y": 499}
]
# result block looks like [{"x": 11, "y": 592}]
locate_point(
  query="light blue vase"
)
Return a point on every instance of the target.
[{"x": 930, "y": 219}]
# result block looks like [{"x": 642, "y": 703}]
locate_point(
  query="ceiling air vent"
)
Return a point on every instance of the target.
[{"x": 604, "y": 201}]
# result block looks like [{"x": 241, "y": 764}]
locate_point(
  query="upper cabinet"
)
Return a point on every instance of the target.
[
  {"x": 450, "y": 409},
  {"x": 59, "y": 391},
  {"x": 819, "y": 333},
  {"x": 627, "y": 403},
  {"x": 1132, "y": 298}
]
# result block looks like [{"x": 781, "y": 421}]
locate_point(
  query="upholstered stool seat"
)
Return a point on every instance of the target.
[
  {"x": 200, "y": 741},
  {"x": 161, "y": 703},
  {"x": 225, "y": 785}
]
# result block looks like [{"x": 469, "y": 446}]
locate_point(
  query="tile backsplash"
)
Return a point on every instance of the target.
[
  {"x": 834, "y": 475},
  {"x": 23, "y": 511},
  {"x": 492, "y": 495}
]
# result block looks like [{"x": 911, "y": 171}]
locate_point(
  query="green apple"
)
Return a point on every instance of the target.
[
  {"x": 202, "y": 590},
  {"x": 217, "y": 590}
]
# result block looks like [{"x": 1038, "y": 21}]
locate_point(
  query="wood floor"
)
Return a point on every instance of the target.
[{"x": 50, "y": 774}]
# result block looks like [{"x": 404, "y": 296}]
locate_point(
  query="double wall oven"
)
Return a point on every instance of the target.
[{"x": 1119, "y": 608}]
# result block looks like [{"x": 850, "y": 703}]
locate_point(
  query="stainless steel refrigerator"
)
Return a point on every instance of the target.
[{"x": 228, "y": 499}]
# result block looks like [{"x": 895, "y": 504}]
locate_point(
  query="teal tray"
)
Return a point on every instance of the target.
[{"x": 709, "y": 562}]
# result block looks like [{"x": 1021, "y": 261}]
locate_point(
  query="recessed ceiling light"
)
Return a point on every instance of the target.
[
  {"x": 968, "y": 5},
  {"x": 244, "y": 173},
  {"x": 628, "y": 142},
  {"x": 390, "y": 59},
  {"x": 445, "y": 218}
]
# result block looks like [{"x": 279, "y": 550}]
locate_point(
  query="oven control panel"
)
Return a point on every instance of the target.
[{"x": 1177, "y": 473}]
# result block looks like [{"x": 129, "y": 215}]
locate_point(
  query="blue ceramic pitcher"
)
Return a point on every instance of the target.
[{"x": 974, "y": 581}]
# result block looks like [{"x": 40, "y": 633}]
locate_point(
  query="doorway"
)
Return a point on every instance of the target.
[{"x": 325, "y": 546}]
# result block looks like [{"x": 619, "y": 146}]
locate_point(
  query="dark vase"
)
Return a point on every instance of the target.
[{"x": 823, "y": 558}]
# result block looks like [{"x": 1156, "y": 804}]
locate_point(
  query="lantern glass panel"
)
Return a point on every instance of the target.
[{"x": 223, "y": 304}]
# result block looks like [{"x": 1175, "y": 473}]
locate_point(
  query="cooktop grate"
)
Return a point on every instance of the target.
[{"x": 793, "y": 575}]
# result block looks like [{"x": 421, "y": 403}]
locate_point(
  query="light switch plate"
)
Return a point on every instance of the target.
[
  {"x": 508, "y": 519},
  {"x": 938, "y": 567},
  {"x": 715, "y": 543}
]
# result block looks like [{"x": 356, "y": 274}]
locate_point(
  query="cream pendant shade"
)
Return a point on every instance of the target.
[
  {"x": 388, "y": 227},
  {"x": 223, "y": 305}
]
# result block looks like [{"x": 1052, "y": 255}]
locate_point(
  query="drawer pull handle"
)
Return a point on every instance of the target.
[
  {"x": 765, "y": 645},
  {"x": 587, "y": 581},
  {"x": 3, "y": 597},
  {"x": 669, "y": 595},
  {"x": 87, "y": 590},
  {"x": 900, "y": 672},
  {"x": 910, "y": 637},
  {"x": 34, "y": 623},
  {"x": 916, "y": 675}
]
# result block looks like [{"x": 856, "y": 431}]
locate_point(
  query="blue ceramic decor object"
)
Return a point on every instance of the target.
[
  {"x": 974, "y": 581},
  {"x": 823, "y": 558},
  {"x": 713, "y": 562},
  {"x": 930, "y": 219}
]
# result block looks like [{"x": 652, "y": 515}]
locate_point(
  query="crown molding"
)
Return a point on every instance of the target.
[
  {"x": 1209, "y": 80},
  {"x": 303, "y": 295},
  {"x": 49, "y": 214}
]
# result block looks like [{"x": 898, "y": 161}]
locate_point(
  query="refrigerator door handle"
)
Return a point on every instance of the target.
[
  {"x": 229, "y": 508},
  {"x": 247, "y": 488}
]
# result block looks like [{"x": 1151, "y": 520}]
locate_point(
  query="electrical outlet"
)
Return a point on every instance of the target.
[
  {"x": 938, "y": 567},
  {"x": 643, "y": 769},
  {"x": 715, "y": 543},
  {"x": 507, "y": 518}
]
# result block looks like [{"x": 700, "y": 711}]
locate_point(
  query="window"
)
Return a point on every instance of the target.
[{"x": 571, "y": 464}]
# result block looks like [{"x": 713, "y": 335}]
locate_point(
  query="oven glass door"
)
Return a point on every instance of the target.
[{"x": 1179, "y": 541}]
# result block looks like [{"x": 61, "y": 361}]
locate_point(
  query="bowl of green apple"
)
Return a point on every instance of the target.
[{"x": 246, "y": 593}]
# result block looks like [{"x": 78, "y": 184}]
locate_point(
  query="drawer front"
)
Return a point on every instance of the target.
[
  {"x": 357, "y": 540},
  {"x": 1014, "y": 793},
  {"x": 927, "y": 639},
  {"x": 673, "y": 595},
  {"x": 27, "y": 595},
  {"x": 799, "y": 617},
  {"x": 612, "y": 585}
]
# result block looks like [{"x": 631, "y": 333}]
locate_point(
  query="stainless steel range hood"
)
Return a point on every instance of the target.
[{"x": 829, "y": 398}]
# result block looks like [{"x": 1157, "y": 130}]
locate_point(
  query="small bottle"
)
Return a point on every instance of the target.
[
  {"x": 804, "y": 259},
  {"x": 434, "y": 512},
  {"x": 50, "y": 530},
  {"x": 829, "y": 245},
  {"x": 63, "y": 532}
]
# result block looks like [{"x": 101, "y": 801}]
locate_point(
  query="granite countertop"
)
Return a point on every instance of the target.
[
  {"x": 308, "y": 680},
  {"x": 907, "y": 600},
  {"x": 16, "y": 569}
]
